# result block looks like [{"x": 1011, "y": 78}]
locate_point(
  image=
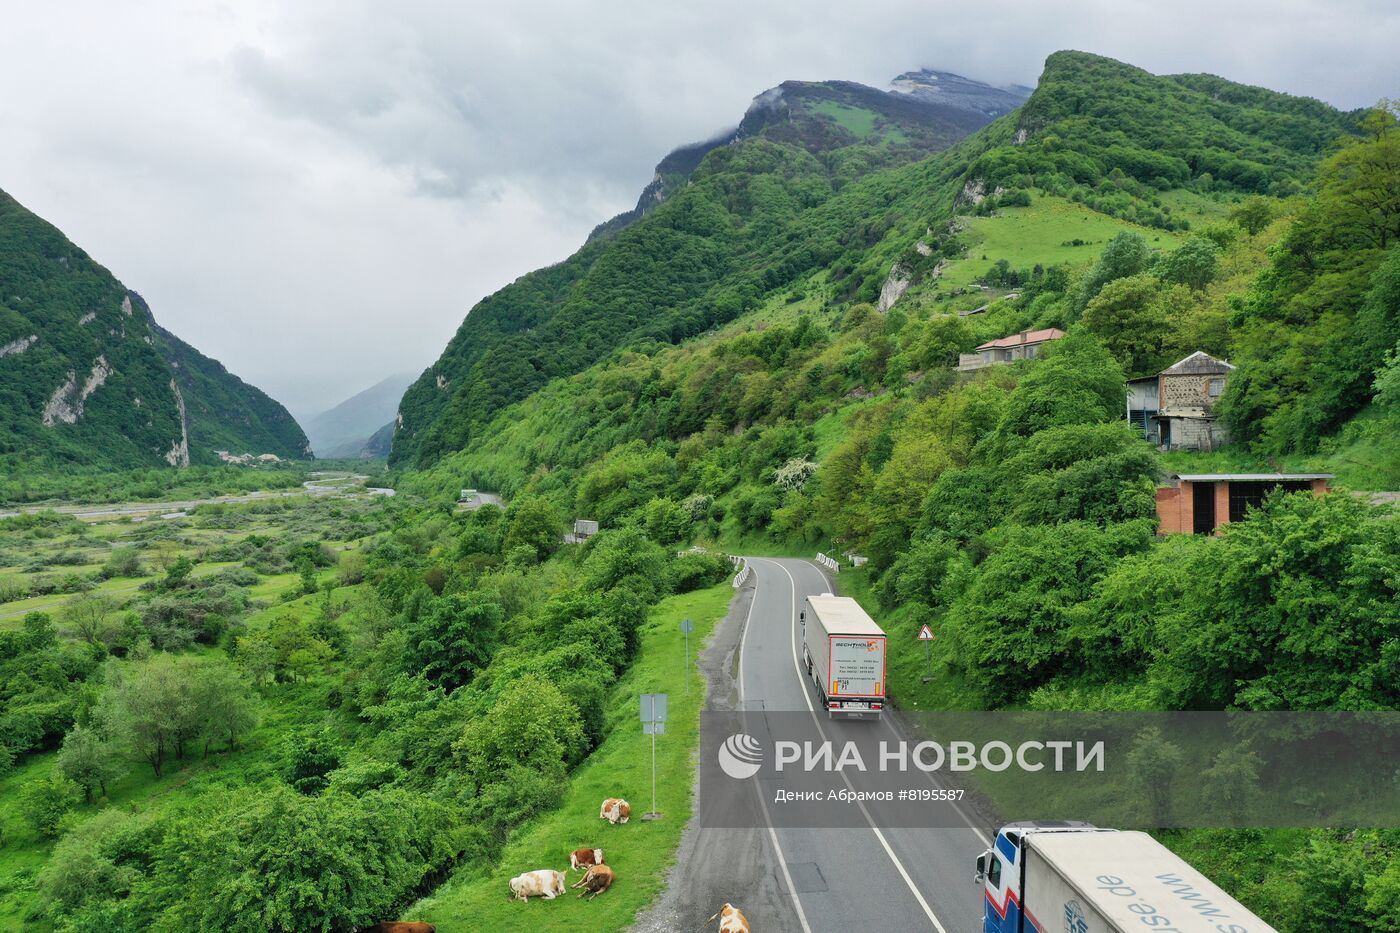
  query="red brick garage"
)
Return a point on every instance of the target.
[{"x": 1200, "y": 503}]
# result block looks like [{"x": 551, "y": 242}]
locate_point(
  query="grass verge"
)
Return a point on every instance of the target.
[{"x": 640, "y": 852}]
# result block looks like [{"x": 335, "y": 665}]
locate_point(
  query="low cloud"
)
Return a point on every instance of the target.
[{"x": 315, "y": 193}]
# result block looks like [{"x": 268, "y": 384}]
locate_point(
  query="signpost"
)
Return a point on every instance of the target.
[
  {"x": 926, "y": 636},
  {"x": 687, "y": 627},
  {"x": 653, "y": 724}
]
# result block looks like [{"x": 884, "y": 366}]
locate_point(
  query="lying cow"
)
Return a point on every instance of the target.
[
  {"x": 615, "y": 810},
  {"x": 544, "y": 883},
  {"x": 580, "y": 859},
  {"x": 731, "y": 920},
  {"x": 399, "y": 926},
  {"x": 598, "y": 879}
]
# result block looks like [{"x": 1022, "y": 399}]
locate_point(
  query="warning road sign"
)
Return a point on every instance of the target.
[{"x": 925, "y": 633}]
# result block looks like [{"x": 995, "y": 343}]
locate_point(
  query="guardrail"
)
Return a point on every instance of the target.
[
  {"x": 830, "y": 563},
  {"x": 743, "y": 573}
]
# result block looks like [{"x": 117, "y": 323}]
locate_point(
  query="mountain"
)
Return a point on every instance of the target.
[
  {"x": 87, "y": 376},
  {"x": 698, "y": 251},
  {"x": 824, "y": 115},
  {"x": 346, "y": 429},
  {"x": 797, "y": 196},
  {"x": 943, "y": 87}
]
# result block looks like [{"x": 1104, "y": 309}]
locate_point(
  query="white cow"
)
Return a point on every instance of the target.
[{"x": 544, "y": 883}]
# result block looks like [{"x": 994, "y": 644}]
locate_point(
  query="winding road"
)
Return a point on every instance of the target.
[{"x": 810, "y": 880}]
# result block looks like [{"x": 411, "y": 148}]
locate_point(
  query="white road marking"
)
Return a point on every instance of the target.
[
  {"x": 807, "y": 698},
  {"x": 763, "y": 804}
]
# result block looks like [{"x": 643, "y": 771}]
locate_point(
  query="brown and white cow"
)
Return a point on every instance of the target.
[
  {"x": 731, "y": 920},
  {"x": 400, "y": 926},
  {"x": 598, "y": 880},
  {"x": 615, "y": 810},
  {"x": 545, "y": 883},
  {"x": 580, "y": 859}
]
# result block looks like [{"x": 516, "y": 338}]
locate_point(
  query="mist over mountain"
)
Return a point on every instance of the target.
[{"x": 346, "y": 429}]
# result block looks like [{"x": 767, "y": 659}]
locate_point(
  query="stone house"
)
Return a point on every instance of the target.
[
  {"x": 1202, "y": 503},
  {"x": 1187, "y": 394},
  {"x": 1023, "y": 346}
]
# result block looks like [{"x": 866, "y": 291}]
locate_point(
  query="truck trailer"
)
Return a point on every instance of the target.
[
  {"x": 1077, "y": 878},
  {"x": 844, "y": 651}
]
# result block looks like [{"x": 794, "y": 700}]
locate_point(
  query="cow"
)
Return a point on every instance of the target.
[
  {"x": 580, "y": 859},
  {"x": 399, "y": 926},
  {"x": 731, "y": 920},
  {"x": 598, "y": 879},
  {"x": 615, "y": 810},
  {"x": 544, "y": 883}
]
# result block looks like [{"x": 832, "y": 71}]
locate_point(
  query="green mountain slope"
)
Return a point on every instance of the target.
[
  {"x": 88, "y": 378},
  {"x": 805, "y": 193},
  {"x": 701, "y": 257}
]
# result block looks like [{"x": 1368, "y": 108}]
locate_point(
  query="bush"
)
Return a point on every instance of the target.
[{"x": 45, "y": 802}]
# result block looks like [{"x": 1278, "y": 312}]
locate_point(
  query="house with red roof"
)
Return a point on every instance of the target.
[{"x": 1023, "y": 346}]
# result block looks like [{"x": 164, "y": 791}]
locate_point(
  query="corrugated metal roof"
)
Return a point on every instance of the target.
[
  {"x": 1199, "y": 363},
  {"x": 1250, "y": 477},
  {"x": 1023, "y": 338},
  {"x": 841, "y": 615}
]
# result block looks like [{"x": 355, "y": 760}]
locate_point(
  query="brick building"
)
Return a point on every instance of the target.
[{"x": 1200, "y": 503}]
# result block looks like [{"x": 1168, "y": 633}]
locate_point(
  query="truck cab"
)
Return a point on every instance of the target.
[{"x": 999, "y": 871}]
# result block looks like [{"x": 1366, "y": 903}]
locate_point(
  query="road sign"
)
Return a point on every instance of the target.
[
  {"x": 925, "y": 633},
  {"x": 653, "y": 707},
  {"x": 653, "y": 724},
  {"x": 687, "y": 626}
]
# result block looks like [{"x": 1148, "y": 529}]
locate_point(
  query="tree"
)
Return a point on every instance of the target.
[
  {"x": 454, "y": 640},
  {"x": 1126, "y": 254},
  {"x": 1358, "y": 182},
  {"x": 532, "y": 724},
  {"x": 150, "y": 706},
  {"x": 310, "y": 760},
  {"x": 226, "y": 705},
  {"x": 1131, "y": 318},
  {"x": 1193, "y": 263},
  {"x": 666, "y": 521},
  {"x": 89, "y": 760},
  {"x": 47, "y": 801},
  {"x": 1253, "y": 214},
  {"x": 178, "y": 571},
  {"x": 533, "y": 522},
  {"x": 89, "y": 617},
  {"x": 1075, "y": 381}
]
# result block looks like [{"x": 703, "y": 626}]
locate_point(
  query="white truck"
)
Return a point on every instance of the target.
[
  {"x": 1077, "y": 878},
  {"x": 844, "y": 651}
]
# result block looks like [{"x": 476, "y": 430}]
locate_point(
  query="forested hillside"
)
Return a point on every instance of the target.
[
  {"x": 87, "y": 378},
  {"x": 809, "y": 193},
  {"x": 779, "y": 197},
  {"x": 1150, "y": 217}
]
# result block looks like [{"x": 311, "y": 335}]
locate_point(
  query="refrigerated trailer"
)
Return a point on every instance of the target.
[
  {"x": 1078, "y": 878},
  {"x": 844, "y": 651}
]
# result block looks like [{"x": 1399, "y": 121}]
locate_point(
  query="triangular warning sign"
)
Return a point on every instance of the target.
[{"x": 925, "y": 633}]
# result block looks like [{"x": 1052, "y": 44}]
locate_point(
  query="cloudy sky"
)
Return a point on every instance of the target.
[{"x": 315, "y": 192}]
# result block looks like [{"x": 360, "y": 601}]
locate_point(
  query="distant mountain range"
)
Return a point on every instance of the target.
[
  {"x": 88, "y": 378},
  {"x": 943, "y": 87},
  {"x": 350, "y": 428}
]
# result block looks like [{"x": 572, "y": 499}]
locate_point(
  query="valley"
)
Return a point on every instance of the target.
[{"x": 1098, "y": 381}]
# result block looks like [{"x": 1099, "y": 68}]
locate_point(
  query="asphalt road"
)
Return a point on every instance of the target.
[{"x": 809, "y": 880}]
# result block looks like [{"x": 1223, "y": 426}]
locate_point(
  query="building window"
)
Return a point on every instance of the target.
[
  {"x": 1250, "y": 495},
  {"x": 1215, "y": 386}
]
